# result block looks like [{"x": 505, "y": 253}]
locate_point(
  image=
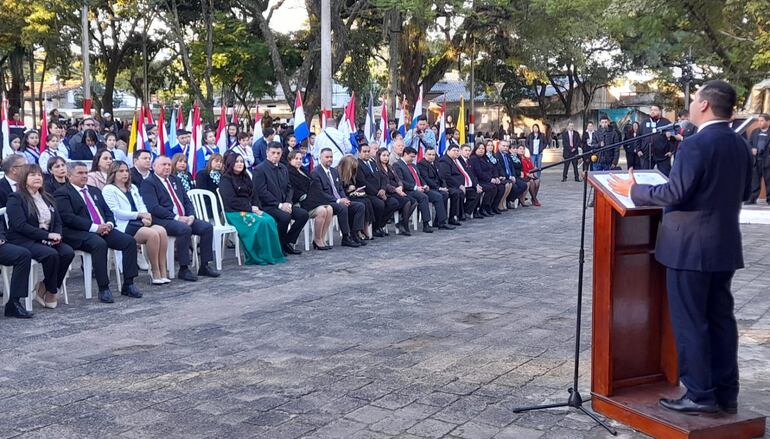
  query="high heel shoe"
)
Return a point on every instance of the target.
[{"x": 320, "y": 247}]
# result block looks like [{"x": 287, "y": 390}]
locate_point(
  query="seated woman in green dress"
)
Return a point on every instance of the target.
[{"x": 257, "y": 231}]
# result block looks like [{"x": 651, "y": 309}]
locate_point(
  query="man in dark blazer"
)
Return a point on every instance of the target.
[
  {"x": 416, "y": 189},
  {"x": 89, "y": 225},
  {"x": 12, "y": 167},
  {"x": 589, "y": 142},
  {"x": 20, "y": 259},
  {"x": 760, "y": 153},
  {"x": 458, "y": 183},
  {"x": 259, "y": 148},
  {"x": 142, "y": 167},
  {"x": 85, "y": 150},
  {"x": 570, "y": 142},
  {"x": 656, "y": 150},
  {"x": 172, "y": 209},
  {"x": 271, "y": 183},
  {"x": 699, "y": 242},
  {"x": 428, "y": 173},
  {"x": 350, "y": 214},
  {"x": 465, "y": 155},
  {"x": 375, "y": 183},
  {"x": 506, "y": 169}
]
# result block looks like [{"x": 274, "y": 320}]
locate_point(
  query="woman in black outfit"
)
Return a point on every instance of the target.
[
  {"x": 309, "y": 196},
  {"x": 395, "y": 189},
  {"x": 208, "y": 178},
  {"x": 35, "y": 224},
  {"x": 57, "y": 174},
  {"x": 348, "y": 170},
  {"x": 486, "y": 173}
]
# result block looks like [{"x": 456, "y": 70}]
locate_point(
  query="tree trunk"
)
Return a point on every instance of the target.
[
  {"x": 109, "y": 84},
  {"x": 16, "y": 92},
  {"x": 394, "y": 29},
  {"x": 42, "y": 82},
  {"x": 31, "y": 59}
]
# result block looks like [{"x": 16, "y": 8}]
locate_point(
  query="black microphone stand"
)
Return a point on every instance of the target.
[{"x": 575, "y": 400}]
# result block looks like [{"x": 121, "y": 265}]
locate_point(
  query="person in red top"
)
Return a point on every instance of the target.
[
  {"x": 16, "y": 121},
  {"x": 533, "y": 181}
]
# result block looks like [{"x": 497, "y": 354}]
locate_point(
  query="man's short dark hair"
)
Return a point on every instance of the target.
[
  {"x": 323, "y": 150},
  {"x": 765, "y": 116},
  {"x": 452, "y": 146},
  {"x": 683, "y": 113},
  {"x": 138, "y": 153},
  {"x": 450, "y": 132},
  {"x": 721, "y": 97},
  {"x": 604, "y": 117},
  {"x": 409, "y": 150},
  {"x": 422, "y": 117},
  {"x": 275, "y": 145},
  {"x": 590, "y": 122},
  {"x": 242, "y": 135},
  {"x": 12, "y": 161},
  {"x": 430, "y": 148},
  {"x": 268, "y": 132}
]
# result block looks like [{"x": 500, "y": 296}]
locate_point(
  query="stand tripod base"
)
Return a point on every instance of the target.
[{"x": 574, "y": 401}]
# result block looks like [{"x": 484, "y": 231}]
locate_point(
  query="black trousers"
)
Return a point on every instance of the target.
[
  {"x": 471, "y": 200},
  {"x": 349, "y": 217},
  {"x": 573, "y": 162},
  {"x": 422, "y": 201},
  {"x": 455, "y": 203},
  {"x": 438, "y": 200},
  {"x": 183, "y": 234},
  {"x": 490, "y": 194},
  {"x": 383, "y": 209},
  {"x": 20, "y": 259},
  {"x": 701, "y": 307},
  {"x": 761, "y": 171},
  {"x": 519, "y": 187},
  {"x": 55, "y": 261},
  {"x": 630, "y": 157},
  {"x": 289, "y": 234},
  {"x": 98, "y": 245}
]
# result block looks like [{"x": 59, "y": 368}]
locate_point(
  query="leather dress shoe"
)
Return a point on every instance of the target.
[
  {"x": 445, "y": 227},
  {"x": 730, "y": 408},
  {"x": 14, "y": 308},
  {"x": 187, "y": 275},
  {"x": 291, "y": 250},
  {"x": 404, "y": 230},
  {"x": 358, "y": 240},
  {"x": 130, "y": 291},
  {"x": 207, "y": 271},
  {"x": 347, "y": 242},
  {"x": 426, "y": 228},
  {"x": 687, "y": 406},
  {"x": 454, "y": 223},
  {"x": 105, "y": 296},
  {"x": 378, "y": 233}
]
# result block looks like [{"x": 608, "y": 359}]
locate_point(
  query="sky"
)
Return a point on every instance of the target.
[{"x": 290, "y": 17}]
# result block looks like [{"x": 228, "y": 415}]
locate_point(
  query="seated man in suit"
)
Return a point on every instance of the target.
[
  {"x": 472, "y": 198},
  {"x": 89, "y": 225},
  {"x": 350, "y": 214},
  {"x": 20, "y": 259},
  {"x": 271, "y": 184},
  {"x": 417, "y": 191},
  {"x": 508, "y": 173},
  {"x": 369, "y": 175},
  {"x": 458, "y": 182},
  {"x": 428, "y": 172},
  {"x": 170, "y": 208},
  {"x": 13, "y": 165},
  {"x": 142, "y": 167}
]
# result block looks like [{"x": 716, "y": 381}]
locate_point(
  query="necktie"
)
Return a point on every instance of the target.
[
  {"x": 369, "y": 163},
  {"x": 507, "y": 168},
  {"x": 334, "y": 186},
  {"x": 179, "y": 208},
  {"x": 95, "y": 217},
  {"x": 570, "y": 139},
  {"x": 414, "y": 174},
  {"x": 462, "y": 171}
]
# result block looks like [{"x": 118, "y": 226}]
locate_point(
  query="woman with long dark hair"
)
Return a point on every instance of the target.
[
  {"x": 258, "y": 231},
  {"x": 35, "y": 224},
  {"x": 633, "y": 146},
  {"x": 100, "y": 167},
  {"x": 533, "y": 181},
  {"x": 30, "y": 146},
  {"x": 486, "y": 172},
  {"x": 395, "y": 189},
  {"x": 536, "y": 143},
  {"x": 179, "y": 170},
  {"x": 57, "y": 174},
  {"x": 348, "y": 170},
  {"x": 309, "y": 195}
]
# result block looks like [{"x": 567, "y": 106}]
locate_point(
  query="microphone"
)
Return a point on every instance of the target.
[
  {"x": 594, "y": 158},
  {"x": 670, "y": 127}
]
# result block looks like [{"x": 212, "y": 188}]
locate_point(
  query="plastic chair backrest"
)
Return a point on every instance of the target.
[{"x": 201, "y": 199}]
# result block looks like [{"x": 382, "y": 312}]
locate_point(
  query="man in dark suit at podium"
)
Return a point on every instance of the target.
[{"x": 699, "y": 242}]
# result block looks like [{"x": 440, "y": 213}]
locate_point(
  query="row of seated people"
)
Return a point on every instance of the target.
[{"x": 268, "y": 208}]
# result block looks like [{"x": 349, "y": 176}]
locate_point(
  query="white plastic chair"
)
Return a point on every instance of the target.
[
  {"x": 88, "y": 268},
  {"x": 201, "y": 199}
]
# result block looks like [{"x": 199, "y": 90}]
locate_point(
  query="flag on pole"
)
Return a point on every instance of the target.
[
  {"x": 141, "y": 132},
  {"x": 369, "y": 126},
  {"x": 189, "y": 125},
  {"x": 148, "y": 115},
  {"x": 417, "y": 109},
  {"x": 460, "y": 127},
  {"x": 402, "y": 118},
  {"x": 162, "y": 133},
  {"x": 43, "y": 134},
  {"x": 222, "y": 129},
  {"x": 442, "y": 129},
  {"x": 179, "y": 118},
  {"x": 258, "y": 125},
  {"x": 132, "y": 138},
  {"x": 172, "y": 126},
  {"x": 348, "y": 125},
  {"x": 4, "y": 129},
  {"x": 234, "y": 117},
  {"x": 301, "y": 131},
  {"x": 196, "y": 141},
  {"x": 384, "y": 135}
]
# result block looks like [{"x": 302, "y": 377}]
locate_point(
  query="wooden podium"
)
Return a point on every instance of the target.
[{"x": 634, "y": 361}]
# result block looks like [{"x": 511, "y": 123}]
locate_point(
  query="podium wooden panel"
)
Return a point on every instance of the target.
[{"x": 634, "y": 361}]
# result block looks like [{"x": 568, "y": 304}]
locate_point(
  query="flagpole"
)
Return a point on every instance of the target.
[
  {"x": 86, "y": 60},
  {"x": 326, "y": 58}
]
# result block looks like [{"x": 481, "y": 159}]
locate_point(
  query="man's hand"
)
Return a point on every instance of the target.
[
  {"x": 640, "y": 153},
  {"x": 286, "y": 207},
  {"x": 54, "y": 237},
  {"x": 381, "y": 193},
  {"x": 103, "y": 229},
  {"x": 754, "y": 151},
  {"x": 462, "y": 188},
  {"x": 479, "y": 189},
  {"x": 255, "y": 210},
  {"x": 187, "y": 220},
  {"x": 443, "y": 189},
  {"x": 622, "y": 186},
  {"x": 400, "y": 191},
  {"x": 344, "y": 201}
]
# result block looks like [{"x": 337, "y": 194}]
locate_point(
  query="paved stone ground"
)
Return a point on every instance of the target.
[{"x": 430, "y": 336}]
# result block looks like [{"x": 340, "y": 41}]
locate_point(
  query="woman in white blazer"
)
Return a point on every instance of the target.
[{"x": 131, "y": 217}]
